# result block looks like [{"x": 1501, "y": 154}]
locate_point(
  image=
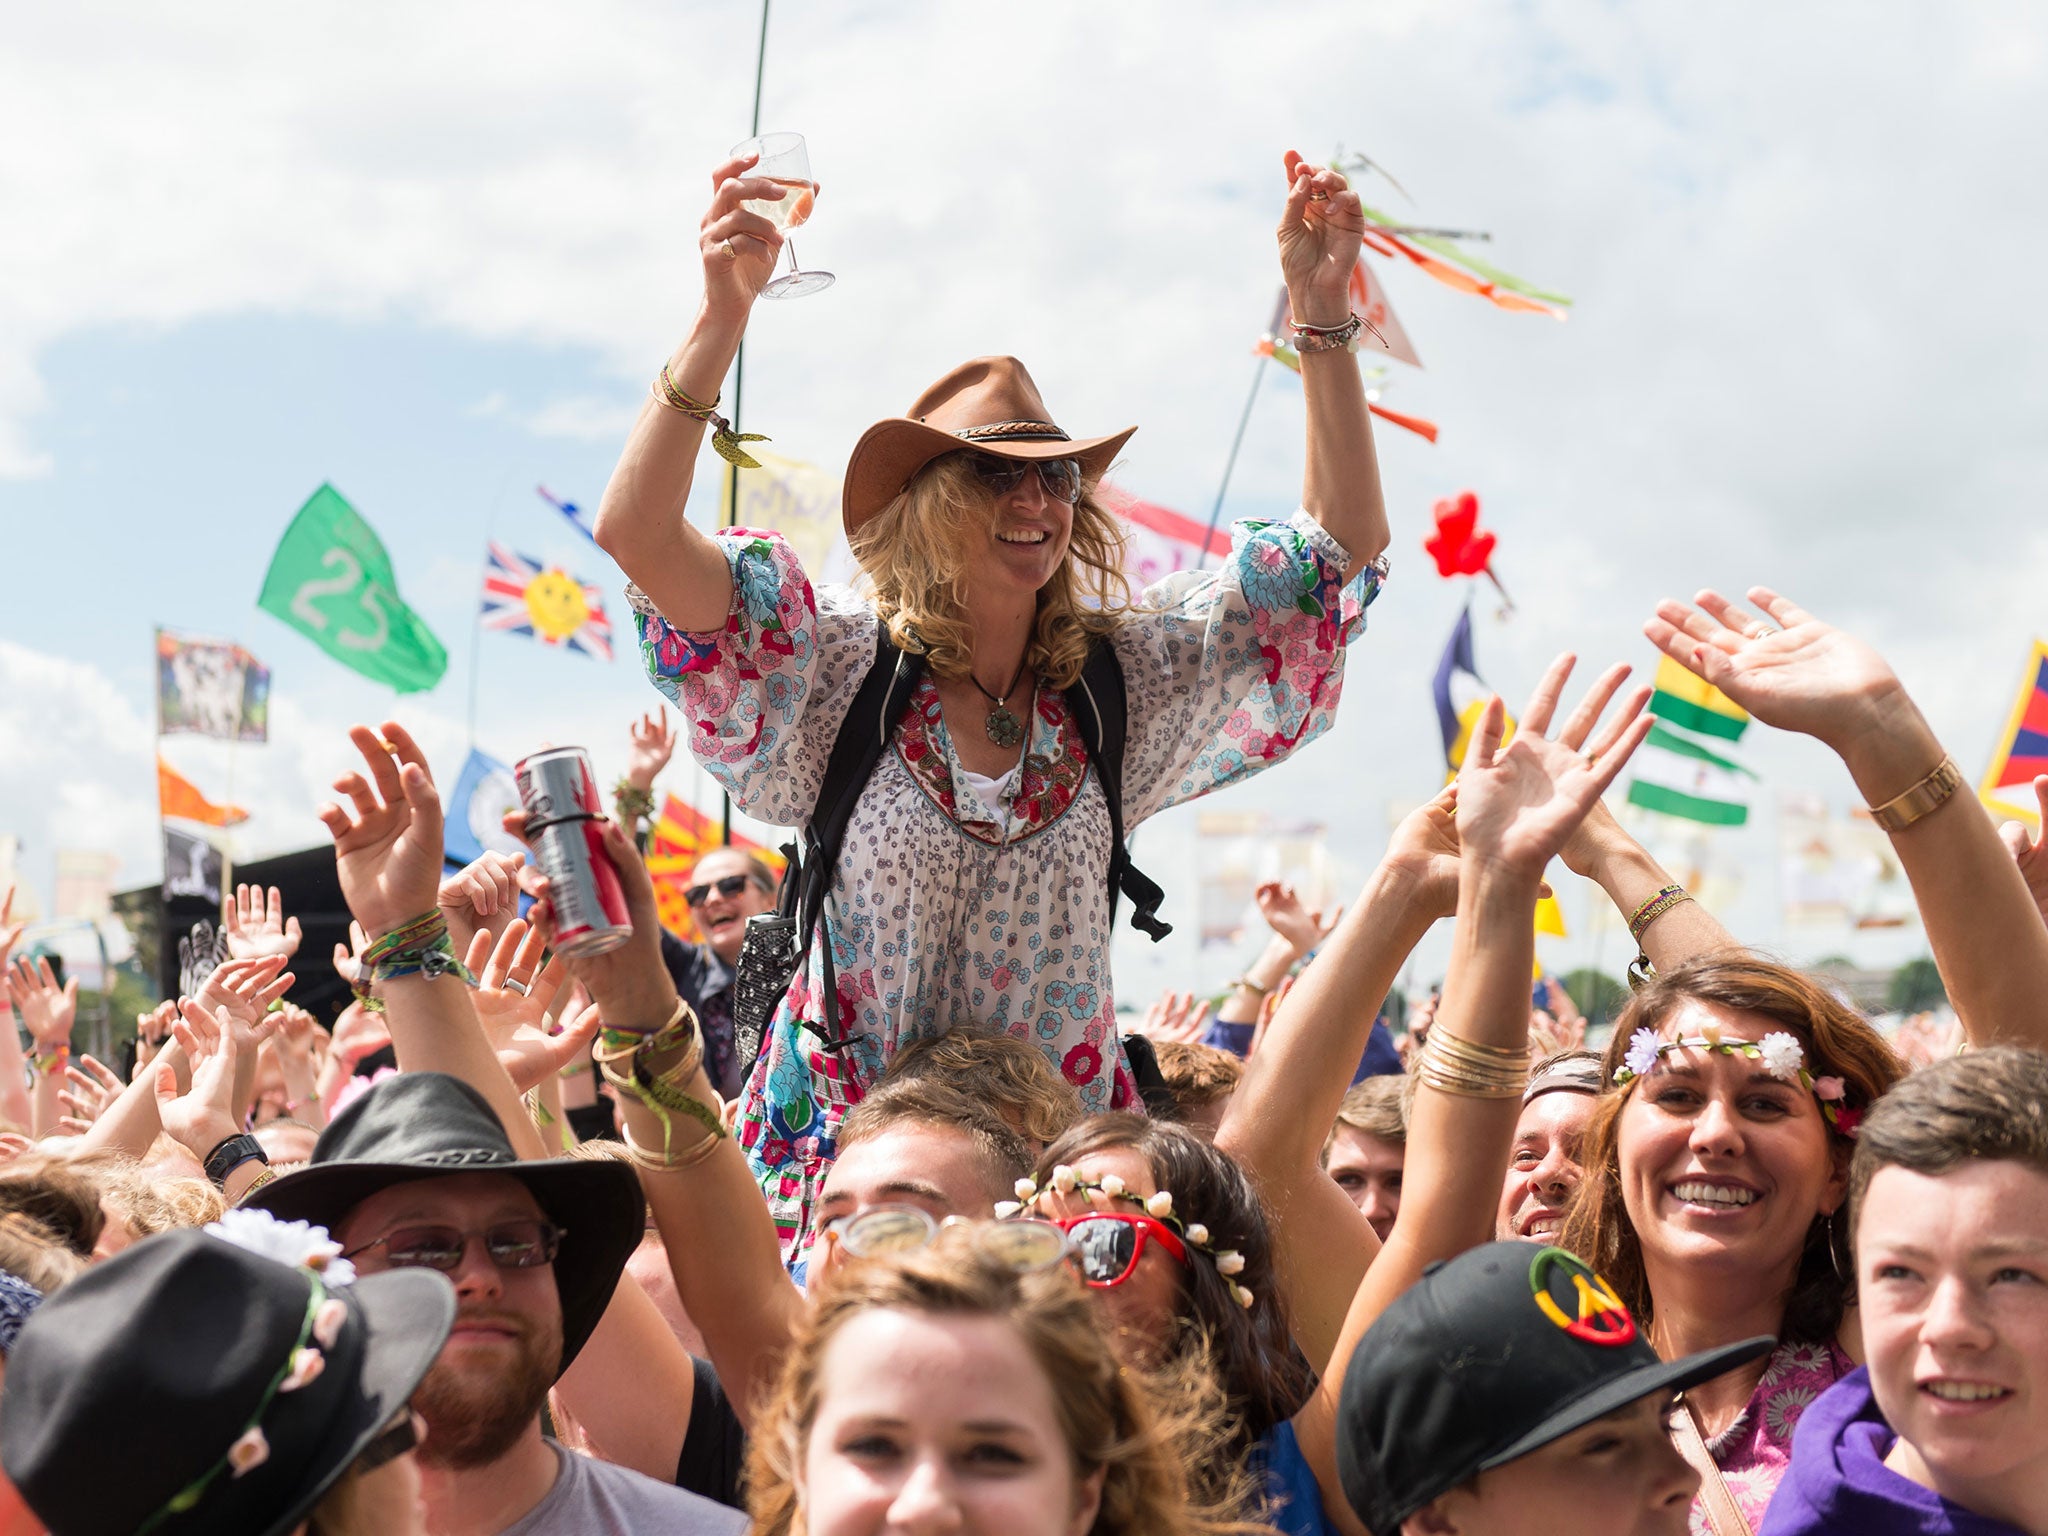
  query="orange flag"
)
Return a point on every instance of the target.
[
  {"x": 179, "y": 797},
  {"x": 682, "y": 837}
]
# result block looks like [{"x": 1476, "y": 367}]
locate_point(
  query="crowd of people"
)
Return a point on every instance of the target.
[{"x": 864, "y": 1213}]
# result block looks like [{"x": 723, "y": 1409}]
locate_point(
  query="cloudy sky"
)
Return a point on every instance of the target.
[{"x": 432, "y": 254}]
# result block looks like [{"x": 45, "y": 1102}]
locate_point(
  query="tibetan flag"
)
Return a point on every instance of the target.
[
  {"x": 178, "y": 798},
  {"x": 680, "y": 838},
  {"x": 1683, "y": 699},
  {"x": 579, "y": 519},
  {"x": 2022, "y": 753},
  {"x": 1159, "y": 540},
  {"x": 523, "y": 597},
  {"x": 1678, "y": 773}
]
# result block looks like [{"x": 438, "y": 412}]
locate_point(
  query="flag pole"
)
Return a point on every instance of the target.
[
  {"x": 731, "y": 510},
  {"x": 1230, "y": 464}
]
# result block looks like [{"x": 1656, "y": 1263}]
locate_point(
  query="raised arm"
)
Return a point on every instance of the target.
[
  {"x": 1799, "y": 674},
  {"x": 720, "y": 1238},
  {"x": 1602, "y": 851},
  {"x": 641, "y": 522},
  {"x": 1320, "y": 232},
  {"x": 1283, "y": 1109},
  {"x": 1516, "y": 807}
]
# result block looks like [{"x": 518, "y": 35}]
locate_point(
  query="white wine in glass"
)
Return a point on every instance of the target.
[{"x": 784, "y": 160}]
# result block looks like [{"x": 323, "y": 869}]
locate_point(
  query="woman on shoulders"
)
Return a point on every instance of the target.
[{"x": 974, "y": 879}]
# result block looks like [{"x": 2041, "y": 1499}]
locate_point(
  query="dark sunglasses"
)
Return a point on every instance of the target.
[
  {"x": 1108, "y": 1244},
  {"x": 521, "y": 1244},
  {"x": 391, "y": 1444},
  {"x": 729, "y": 887},
  {"x": 1060, "y": 477}
]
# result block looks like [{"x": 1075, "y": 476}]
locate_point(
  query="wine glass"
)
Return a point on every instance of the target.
[{"x": 785, "y": 161}]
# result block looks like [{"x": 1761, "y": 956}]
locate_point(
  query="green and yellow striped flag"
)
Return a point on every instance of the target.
[{"x": 1683, "y": 699}]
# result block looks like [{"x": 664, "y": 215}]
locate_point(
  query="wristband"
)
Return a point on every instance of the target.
[
  {"x": 1639, "y": 920},
  {"x": 230, "y": 1155},
  {"x": 54, "y": 1063}
]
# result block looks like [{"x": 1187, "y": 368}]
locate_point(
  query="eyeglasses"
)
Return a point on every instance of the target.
[
  {"x": 521, "y": 1244},
  {"x": 1024, "y": 1246},
  {"x": 1060, "y": 477},
  {"x": 729, "y": 887},
  {"x": 1108, "y": 1244}
]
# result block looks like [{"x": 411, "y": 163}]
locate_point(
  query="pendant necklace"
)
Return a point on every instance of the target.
[{"x": 1002, "y": 725}]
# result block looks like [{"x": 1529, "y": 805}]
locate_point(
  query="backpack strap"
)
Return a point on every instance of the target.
[{"x": 1101, "y": 709}]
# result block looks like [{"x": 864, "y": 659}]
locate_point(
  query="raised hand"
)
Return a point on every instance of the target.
[
  {"x": 630, "y": 984},
  {"x": 485, "y": 888},
  {"x": 1176, "y": 1016},
  {"x": 1789, "y": 670},
  {"x": 654, "y": 743},
  {"x": 2030, "y": 849},
  {"x": 1519, "y": 803},
  {"x": 204, "y": 1117},
  {"x": 1321, "y": 229},
  {"x": 45, "y": 1008},
  {"x": 152, "y": 1029},
  {"x": 348, "y": 958},
  {"x": 739, "y": 248},
  {"x": 359, "y": 1033},
  {"x": 94, "y": 1086},
  {"x": 255, "y": 931},
  {"x": 514, "y": 992},
  {"x": 244, "y": 991},
  {"x": 389, "y": 853},
  {"x": 1289, "y": 916},
  {"x": 10, "y": 931}
]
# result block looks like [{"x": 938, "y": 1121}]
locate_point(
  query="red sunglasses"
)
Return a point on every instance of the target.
[{"x": 1108, "y": 1244}]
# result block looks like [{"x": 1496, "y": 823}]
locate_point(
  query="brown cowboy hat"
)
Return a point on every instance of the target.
[{"x": 990, "y": 404}]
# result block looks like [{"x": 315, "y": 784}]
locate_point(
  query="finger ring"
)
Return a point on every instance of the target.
[
  {"x": 727, "y": 248},
  {"x": 514, "y": 984},
  {"x": 1758, "y": 630}
]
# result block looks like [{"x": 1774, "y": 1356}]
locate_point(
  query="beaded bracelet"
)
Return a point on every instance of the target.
[
  {"x": 631, "y": 801},
  {"x": 53, "y": 1064},
  {"x": 724, "y": 441}
]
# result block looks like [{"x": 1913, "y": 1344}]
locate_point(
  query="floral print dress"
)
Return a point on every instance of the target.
[
  {"x": 943, "y": 911},
  {"x": 1754, "y": 1451}
]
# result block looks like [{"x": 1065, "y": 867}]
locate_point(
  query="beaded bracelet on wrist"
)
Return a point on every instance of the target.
[
  {"x": 419, "y": 948},
  {"x": 631, "y": 801}
]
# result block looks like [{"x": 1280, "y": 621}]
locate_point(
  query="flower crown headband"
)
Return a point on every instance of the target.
[
  {"x": 1159, "y": 1206},
  {"x": 1781, "y": 1053}
]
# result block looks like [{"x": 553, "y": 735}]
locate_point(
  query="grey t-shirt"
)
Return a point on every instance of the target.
[{"x": 596, "y": 1498}]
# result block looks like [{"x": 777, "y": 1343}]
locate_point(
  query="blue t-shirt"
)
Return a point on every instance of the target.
[{"x": 1286, "y": 1479}]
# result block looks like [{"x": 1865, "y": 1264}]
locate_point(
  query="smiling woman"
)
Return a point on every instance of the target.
[{"x": 1016, "y": 678}]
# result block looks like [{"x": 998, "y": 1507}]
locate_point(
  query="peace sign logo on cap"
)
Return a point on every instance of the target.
[{"x": 1596, "y": 1316}]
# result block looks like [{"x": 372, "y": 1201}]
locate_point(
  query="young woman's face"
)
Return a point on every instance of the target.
[
  {"x": 1619, "y": 1476},
  {"x": 1142, "y": 1311},
  {"x": 1724, "y": 1167},
  {"x": 1543, "y": 1168},
  {"x": 938, "y": 1424},
  {"x": 1952, "y": 1272},
  {"x": 1024, "y": 538}
]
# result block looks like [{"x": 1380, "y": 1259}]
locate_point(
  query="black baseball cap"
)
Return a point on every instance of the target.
[{"x": 1486, "y": 1358}]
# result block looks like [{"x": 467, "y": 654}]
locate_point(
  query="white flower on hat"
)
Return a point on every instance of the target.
[
  {"x": 1230, "y": 1262},
  {"x": 248, "y": 1453},
  {"x": 1005, "y": 1209},
  {"x": 1160, "y": 1205},
  {"x": 1198, "y": 1234},
  {"x": 1783, "y": 1055},
  {"x": 299, "y": 1244}
]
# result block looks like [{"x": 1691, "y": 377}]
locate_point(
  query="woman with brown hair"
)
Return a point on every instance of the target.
[
  {"x": 966, "y": 1385},
  {"x": 976, "y": 873}
]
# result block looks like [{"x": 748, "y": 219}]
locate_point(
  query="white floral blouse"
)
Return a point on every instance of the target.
[{"x": 941, "y": 912}]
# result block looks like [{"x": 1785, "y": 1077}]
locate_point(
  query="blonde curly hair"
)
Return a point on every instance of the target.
[{"x": 914, "y": 557}]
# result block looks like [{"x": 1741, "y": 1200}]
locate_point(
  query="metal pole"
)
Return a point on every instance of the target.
[
  {"x": 1230, "y": 464},
  {"x": 739, "y": 390}
]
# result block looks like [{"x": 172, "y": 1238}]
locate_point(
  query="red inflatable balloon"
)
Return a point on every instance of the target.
[{"x": 1457, "y": 546}]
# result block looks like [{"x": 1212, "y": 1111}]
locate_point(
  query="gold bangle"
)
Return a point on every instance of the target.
[
  {"x": 1466, "y": 1087},
  {"x": 640, "y": 1157},
  {"x": 1476, "y": 1052},
  {"x": 1901, "y": 811}
]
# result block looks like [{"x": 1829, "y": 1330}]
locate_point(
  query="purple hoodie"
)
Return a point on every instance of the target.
[{"x": 1838, "y": 1482}]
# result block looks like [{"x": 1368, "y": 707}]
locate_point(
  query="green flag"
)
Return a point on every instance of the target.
[{"x": 331, "y": 581}]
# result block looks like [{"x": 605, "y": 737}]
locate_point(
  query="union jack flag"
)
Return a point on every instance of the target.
[{"x": 524, "y": 597}]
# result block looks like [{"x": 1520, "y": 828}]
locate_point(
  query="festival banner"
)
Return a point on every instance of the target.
[
  {"x": 2022, "y": 755},
  {"x": 799, "y": 501},
  {"x": 475, "y": 820},
  {"x": 210, "y": 688},
  {"x": 1159, "y": 540},
  {"x": 1238, "y": 852},
  {"x": 680, "y": 838},
  {"x": 332, "y": 581},
  {"x": 1369, "y": 301},
  {"x": 578, "y": 518},
  {"x": 193, "y": 861},
  {"x": 524, "y": 597},
  {"x": 178, "y": 798},
  {"x": 1838, "y": 872}
]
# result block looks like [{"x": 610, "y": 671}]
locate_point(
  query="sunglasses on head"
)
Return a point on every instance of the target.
[
  {"x": 1108, "y": 1244},
  {"x": 1060, "y": 477},
  {"x": 729, "y": 887},
  {"x": 520, "y": 1244},
  {"x": 1024, "y": 1245}
]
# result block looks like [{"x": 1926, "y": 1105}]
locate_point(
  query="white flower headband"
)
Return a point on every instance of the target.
[
  {"x": 1781, "y": 1053},
  {"x": 1159, "y": 1206}
]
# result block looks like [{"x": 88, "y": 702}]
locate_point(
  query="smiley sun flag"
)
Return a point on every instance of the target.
[{"x": 523, "y": 597}]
